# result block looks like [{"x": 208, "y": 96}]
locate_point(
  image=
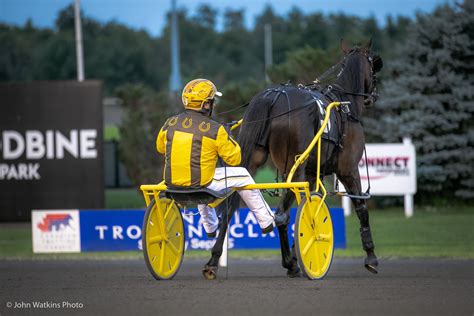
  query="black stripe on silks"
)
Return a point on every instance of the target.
[
  {"x": 196, "y": 160},
  {"x": 169, "y": 143}
]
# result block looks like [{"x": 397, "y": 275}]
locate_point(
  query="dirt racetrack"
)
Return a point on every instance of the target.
[{"x": 124, "y": 287}]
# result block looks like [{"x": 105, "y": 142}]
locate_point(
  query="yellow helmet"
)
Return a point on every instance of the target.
[{"x": 198, "y": 91}]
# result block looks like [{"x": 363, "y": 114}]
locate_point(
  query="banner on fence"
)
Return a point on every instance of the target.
[
  {"x": 56, "y": 231},
  {"x": 389, "y": 169},
  {"x": 120, "y": 230}
]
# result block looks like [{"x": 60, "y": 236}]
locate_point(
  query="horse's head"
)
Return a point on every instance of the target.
[{"x": 362, "y": 60}]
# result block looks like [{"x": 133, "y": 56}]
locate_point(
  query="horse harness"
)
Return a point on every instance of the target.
[
  {"x": 319, "y": 99},
  {"x": 375, "y": 63},
  {"x": 370, "y": 98}
]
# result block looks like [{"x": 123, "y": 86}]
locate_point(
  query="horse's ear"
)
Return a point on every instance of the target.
[
  {"x": 345, "y": 49},
  {"x": 368, "y": 46}
]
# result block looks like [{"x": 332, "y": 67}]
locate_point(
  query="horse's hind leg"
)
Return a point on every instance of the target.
[
  {"x": 210, "y": 268},
  {"x": 352, "y": 185}
]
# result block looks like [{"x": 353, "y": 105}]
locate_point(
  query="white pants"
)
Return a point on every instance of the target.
[{"x": 235, "y": 177}]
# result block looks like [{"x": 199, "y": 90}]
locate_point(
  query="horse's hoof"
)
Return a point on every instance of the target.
[
  {"x": 371, "y": 263},
  {"x": 295, "y": 273},
  {"x": 209, "y": 272}
]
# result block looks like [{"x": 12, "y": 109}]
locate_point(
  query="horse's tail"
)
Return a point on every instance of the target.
[
  {"x": 253, "y": 128},
  {"x": 250, "y": 134}
]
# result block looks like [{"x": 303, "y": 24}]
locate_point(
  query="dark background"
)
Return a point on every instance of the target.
[{"x": 65, "y": 183}]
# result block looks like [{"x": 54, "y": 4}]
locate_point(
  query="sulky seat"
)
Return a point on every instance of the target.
[{"x": 187, "y": 196}]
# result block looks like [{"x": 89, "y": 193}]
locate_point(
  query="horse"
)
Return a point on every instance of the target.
[{"x": 281, "y": 121}]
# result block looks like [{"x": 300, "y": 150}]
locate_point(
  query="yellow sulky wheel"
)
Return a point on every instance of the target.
[
  {"x": 163, "y": 239},
  {"x": 314, "y": 238}
]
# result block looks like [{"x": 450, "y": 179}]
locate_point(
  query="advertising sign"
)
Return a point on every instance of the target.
[
  {"x": 51, "y": 147},
  {"x": 120, "y": 230},
  {"x": 111, "y": 230},
  {"x": 55, "y": 231},
  {"x": 392, "y": 169}
]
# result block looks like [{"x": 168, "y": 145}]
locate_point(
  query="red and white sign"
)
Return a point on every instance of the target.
[
  {"x": 392, "y": 169},
  {"x": 55, "y": 231}
]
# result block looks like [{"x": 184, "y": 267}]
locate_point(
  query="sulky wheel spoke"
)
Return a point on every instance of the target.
[
  {"x": 162, "y": 256},
  {"x": 318, "y": 262},
  {"x": 155, "y": 240},
  {"x": 173, "y": 248},
  {"x": 169, "y": 206},
  {"x": 154, "y": 216},
  {"x": 317, "y": 212},
  {"x": 307, "y": 222},
  {"x": 171, "y": 223},
  {"x": 308, "y": 245}
]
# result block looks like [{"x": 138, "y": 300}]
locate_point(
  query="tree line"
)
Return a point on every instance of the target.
[{"x": 118, "y": 55}]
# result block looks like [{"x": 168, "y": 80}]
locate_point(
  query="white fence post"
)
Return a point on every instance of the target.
[
  {"x": 223, "y": 258},
  {"x": 408, "y": 200},
  {"x": 408, "y": 205},
  {"x": 346, "y": 205}
]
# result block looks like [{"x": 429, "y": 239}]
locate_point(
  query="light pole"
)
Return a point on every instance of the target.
[
  {"x": 175, "y": 79},
  {"x": 268, "y": 49},
  {"x": 78, "y": 31}
]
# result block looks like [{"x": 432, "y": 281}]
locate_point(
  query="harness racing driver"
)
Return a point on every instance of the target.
[{"x": 192, "y": 142}]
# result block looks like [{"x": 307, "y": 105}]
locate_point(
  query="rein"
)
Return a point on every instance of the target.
[
  {"x": 338, "y": 88},
  {"x": 330, "y": 70},
  {"x": 370, "y": 97},
  {"x": 235, "y": 109},
  {"x": 281, "y": 114}
]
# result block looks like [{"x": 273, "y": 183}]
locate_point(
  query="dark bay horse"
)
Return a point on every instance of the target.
[{"x": 281, "y": 121}]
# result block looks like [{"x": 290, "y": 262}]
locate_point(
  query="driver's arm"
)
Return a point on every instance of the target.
[
  {"x": 161, "y": 141},
  {"x": 227, "y": 148}
]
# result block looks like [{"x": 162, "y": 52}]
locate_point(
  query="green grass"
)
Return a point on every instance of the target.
[
  {"x": 441, "y": 233},
  {"x": 111, "y": 132},
  {"x": 15, "y": 240},
  {"x": 123, "y": 198}
]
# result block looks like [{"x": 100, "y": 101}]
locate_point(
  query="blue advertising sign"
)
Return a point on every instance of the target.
[
  {"x": 116, "y": 230},
  {"x": 111, "y": 230}
]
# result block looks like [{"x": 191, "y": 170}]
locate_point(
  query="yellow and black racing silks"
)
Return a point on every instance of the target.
[{"x": 191, "y": 143}]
